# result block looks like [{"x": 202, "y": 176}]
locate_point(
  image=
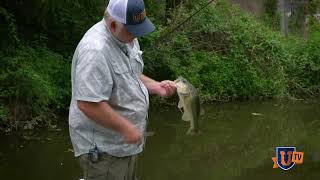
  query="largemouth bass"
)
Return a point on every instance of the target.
[{"x": 190, "y": 103}]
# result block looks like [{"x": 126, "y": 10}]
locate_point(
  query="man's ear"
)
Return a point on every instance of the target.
[{"x": 113, "y": 26}]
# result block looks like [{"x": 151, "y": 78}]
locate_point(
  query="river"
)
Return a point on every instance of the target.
[{"x": 237, "y": 142}]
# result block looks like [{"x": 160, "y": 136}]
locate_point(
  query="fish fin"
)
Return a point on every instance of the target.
[
  {"x": 181, "y": 110},
  {"x": 180, "y": 105},
  {"x": 186, "y": 116}
]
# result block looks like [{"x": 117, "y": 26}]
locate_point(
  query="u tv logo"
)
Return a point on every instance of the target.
[{"x": 287, "y": 157}]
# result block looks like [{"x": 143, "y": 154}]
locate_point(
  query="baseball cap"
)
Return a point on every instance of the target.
[{"x": 132, "y": 14}]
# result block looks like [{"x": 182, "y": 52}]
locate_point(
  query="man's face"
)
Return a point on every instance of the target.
[{"x": 121, "y": 32}]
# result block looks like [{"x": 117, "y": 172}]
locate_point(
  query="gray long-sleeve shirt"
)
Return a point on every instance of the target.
[{"x": 105, "y": 69}]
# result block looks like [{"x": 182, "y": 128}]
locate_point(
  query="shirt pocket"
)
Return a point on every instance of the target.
[
  {"x": 137, "y": 64},
  {"x": 119, "y": 67}
]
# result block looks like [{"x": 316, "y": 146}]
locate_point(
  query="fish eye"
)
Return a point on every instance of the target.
[{"x": 184, "y": 81}]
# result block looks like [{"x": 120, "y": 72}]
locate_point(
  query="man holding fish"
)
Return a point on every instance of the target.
[{"x": 110, "y": 95}]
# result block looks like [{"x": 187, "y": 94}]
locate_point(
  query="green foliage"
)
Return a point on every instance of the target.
[
  {"x": 4, "y": 116},
  {"x": 303, "y": 65},
  {"x": 57, "y": 23},
  {"x": 225, "y": 53},
  {"x": 156, "y": 11},
  {"x": 8, "y": 27},
  {"x": 313, "y": 6},
  {"x": 271, "y": 16},
  {"x": 33, "y": 81}
]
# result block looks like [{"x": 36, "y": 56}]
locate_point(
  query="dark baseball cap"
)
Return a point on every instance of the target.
[{"x": 132, "y": 14}]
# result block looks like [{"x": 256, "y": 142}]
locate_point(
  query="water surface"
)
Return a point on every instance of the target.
[{"x": 236, "y": 143}]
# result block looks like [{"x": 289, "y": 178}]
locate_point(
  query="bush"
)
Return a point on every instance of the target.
[
  {"x": 303, "y": 65},
  {"x": 33, "y": 83},
  {"x": 57, "y": 23},
  {"x": 224, "y": 52}
]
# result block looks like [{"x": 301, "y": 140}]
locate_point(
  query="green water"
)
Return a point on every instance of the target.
[{"x": 234, "y": 144}]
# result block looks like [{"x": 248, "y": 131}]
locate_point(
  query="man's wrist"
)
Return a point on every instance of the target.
[
  {"x": 153, "y": 88},
  {"x": 126, "y": 127}
]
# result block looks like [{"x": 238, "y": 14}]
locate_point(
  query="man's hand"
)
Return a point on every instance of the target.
[
  {"x": 164, "y": 88},
  {"x": 132, "y": 136},
  {"x": 167, "y": 88},
  {"x": 103, "y": 114}
]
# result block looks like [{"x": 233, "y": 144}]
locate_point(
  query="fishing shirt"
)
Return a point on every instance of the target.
[{"x": 105, "y": 69}]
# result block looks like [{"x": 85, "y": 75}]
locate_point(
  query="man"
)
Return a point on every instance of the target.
[{"x": 109, "y": 106}]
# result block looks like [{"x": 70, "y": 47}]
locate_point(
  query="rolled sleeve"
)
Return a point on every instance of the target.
[{"x": 93, "y": 80}]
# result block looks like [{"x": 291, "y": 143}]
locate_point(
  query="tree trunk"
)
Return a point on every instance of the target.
[{"x": 285, "y": 12}]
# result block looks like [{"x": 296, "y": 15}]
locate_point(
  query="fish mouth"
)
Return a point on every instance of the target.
[
  {"x": 178, "y": 79},
  {"x": 182, "y": 93}
]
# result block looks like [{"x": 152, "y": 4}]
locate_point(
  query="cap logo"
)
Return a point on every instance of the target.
[{"x": 140, "y": 17}]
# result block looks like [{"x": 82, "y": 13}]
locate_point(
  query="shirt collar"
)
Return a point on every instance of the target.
[{"x": 121, "y": 45}]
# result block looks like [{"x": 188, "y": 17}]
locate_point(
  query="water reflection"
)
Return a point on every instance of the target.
[{"x": 237, "y": 142}]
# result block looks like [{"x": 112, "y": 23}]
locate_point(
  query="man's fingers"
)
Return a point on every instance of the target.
[
  {"x": 132, "y": 136},
  {"x": 169, "y": 87},
  {"x": 173, "y": 89},
  {"x": 172, "y": 84},
  {"x": 133, "y": 141}
]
